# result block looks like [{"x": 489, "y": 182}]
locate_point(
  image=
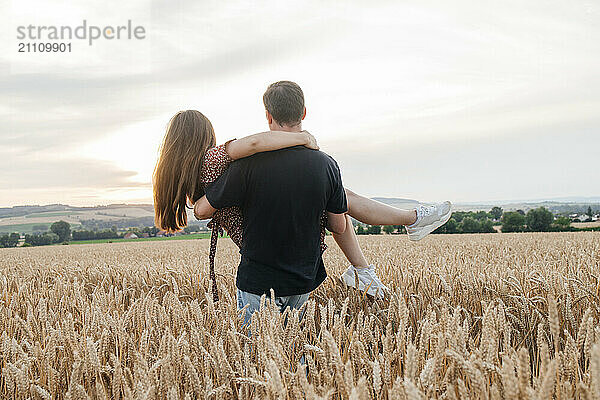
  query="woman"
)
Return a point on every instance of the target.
[{"x": 189, "y": 160}]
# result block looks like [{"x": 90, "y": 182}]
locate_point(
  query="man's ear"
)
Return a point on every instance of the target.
[
  {"x": 304, "y": 114},
  {"x": 269, "y": 117}
]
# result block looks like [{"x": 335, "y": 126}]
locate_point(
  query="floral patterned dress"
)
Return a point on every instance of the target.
[{"x": 216, "y": 161}]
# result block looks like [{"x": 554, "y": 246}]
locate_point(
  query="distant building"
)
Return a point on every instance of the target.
[
  {"x": 580, "y": 218},
  {"x": 145, "y": 235},
  {"x": 130, "y": 235}
]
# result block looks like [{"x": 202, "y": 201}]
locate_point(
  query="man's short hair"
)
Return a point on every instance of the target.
[{"x": 284, "y": 100}]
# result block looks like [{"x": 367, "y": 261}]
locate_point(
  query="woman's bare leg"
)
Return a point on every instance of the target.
[
  {"x": 373, "y": 212},
  {"x": 348, "y": 242},
  {"x": 370, "y": 212}
]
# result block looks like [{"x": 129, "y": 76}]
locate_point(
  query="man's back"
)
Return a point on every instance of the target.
[{"x": 283, "y": 195}]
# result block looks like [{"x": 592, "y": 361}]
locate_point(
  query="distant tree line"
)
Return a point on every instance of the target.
[
  {"x": 124, "y": 223},
  {"x": 9, "y": 240},
  {"x": 192, "y": 228},
  {"x": 139, "y": 232},
  {"x": 94, "y": 235},
  {"x": 60, "y": 232},
  {"x": 365, "y": 229},
  {"x": 368, "y": 229},
  {"x": 41, "y": 239},
  {"x": 471, "y": 222},
  {"x": 113, "y": 233},
  {"x": 535, "y": 220}
]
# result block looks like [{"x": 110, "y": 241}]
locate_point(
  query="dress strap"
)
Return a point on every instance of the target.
[{"x": 214, "y": 235}]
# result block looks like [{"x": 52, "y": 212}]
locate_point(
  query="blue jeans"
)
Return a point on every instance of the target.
[{"x": 253, "y": 301}]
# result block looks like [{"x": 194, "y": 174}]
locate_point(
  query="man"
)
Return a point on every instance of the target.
[{"x": 282, "y": 195}]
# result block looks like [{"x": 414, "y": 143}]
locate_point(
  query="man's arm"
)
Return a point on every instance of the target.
[
  {"x": 227, "y": 191},
  {"x": 337, "y": 205},
  {"x": 203, "y": 209},
  {"x": 336, "y": 223}
]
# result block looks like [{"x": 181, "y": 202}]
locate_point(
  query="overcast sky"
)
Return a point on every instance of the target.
[{"x": 430, "y": 100}]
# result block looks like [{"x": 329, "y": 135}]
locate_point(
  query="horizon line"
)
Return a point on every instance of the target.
[{"x": 566, "y": 199}]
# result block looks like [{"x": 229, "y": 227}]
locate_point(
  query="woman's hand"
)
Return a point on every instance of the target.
[{"x": 311, "y": 142}]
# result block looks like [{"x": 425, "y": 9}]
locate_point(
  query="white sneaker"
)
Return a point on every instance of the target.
[
  {"x": 367, "y": 278},
  {"x": 429, "y": 218}
]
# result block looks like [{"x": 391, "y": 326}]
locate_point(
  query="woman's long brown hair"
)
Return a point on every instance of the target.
[{"x": 177, "y": 174}]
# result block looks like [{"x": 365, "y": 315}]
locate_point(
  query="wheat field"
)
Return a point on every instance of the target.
[{"x": 498, "y": 316}]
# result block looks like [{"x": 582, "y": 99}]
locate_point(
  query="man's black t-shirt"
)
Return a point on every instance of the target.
[{"x": 282, "y": 195}]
